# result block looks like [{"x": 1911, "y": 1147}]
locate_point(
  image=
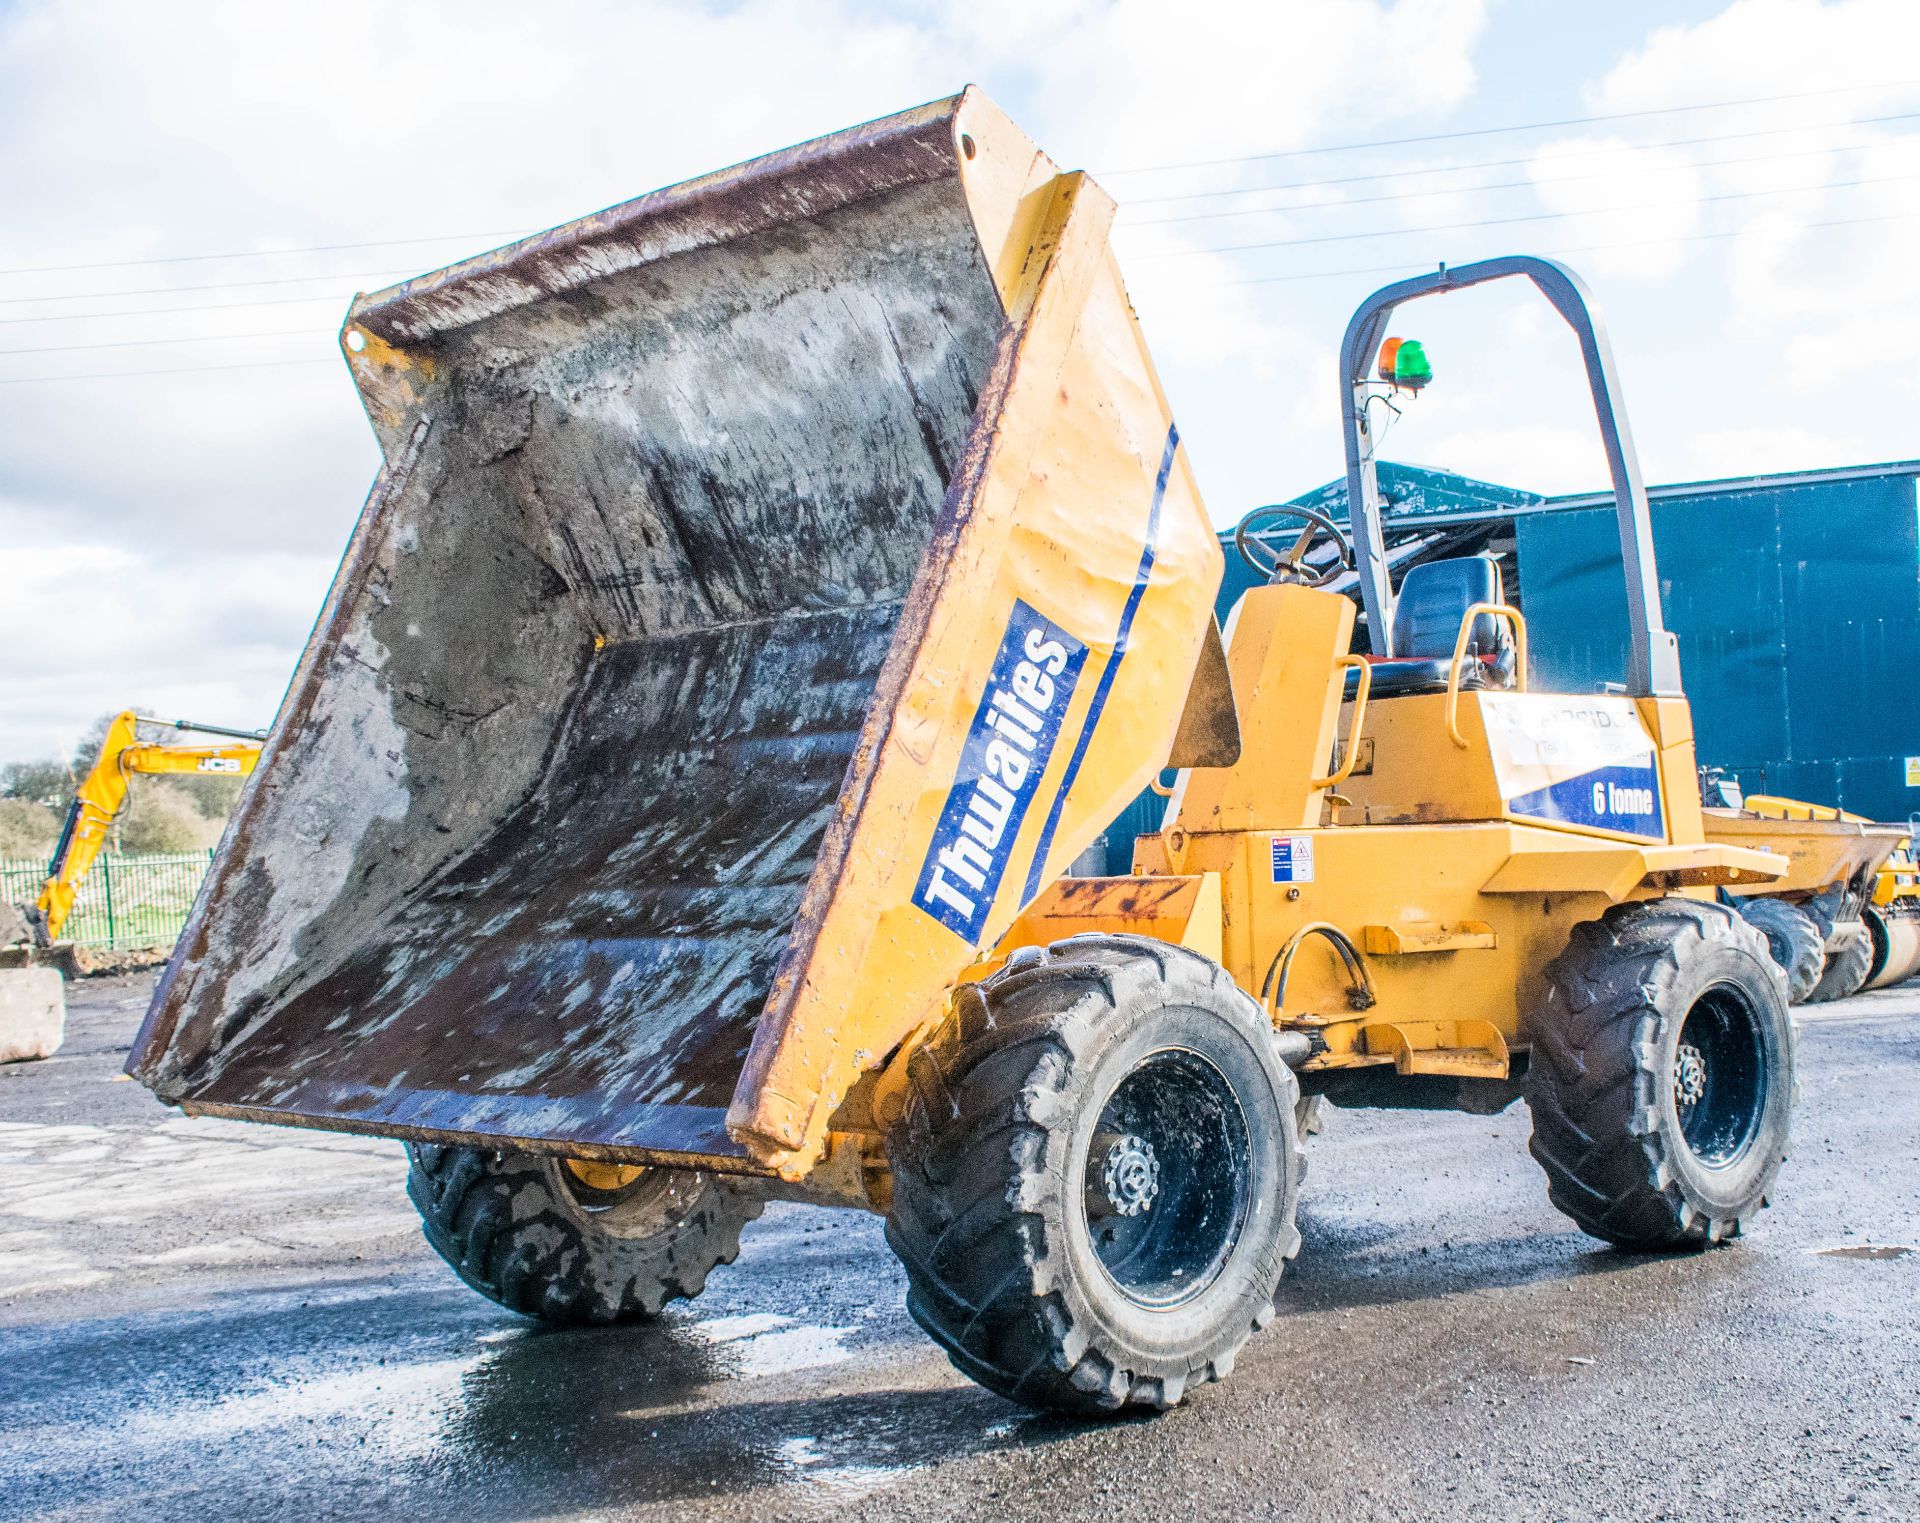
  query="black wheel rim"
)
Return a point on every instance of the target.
[
  {"x": 1719, "y": 1077},
  {"x": 1166, "y": 1188}
]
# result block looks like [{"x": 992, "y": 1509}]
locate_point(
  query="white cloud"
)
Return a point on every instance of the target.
[
  {"x": 1547, "y": 458},
  {"x": 1766, "y": 47},
  {"x": 1742, "y": 451},
  {"x": 1590, "y": 179},
  {"x": 1788, "y": 280},
  {"x": 190, "y": 507},
  {"x": 1137, "y": 82},
  {"x": 168, "y": 540},
  {"x": 90, "y": 627}
]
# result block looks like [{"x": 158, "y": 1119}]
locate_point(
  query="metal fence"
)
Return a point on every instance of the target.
[{"x": 124, "y": 901}]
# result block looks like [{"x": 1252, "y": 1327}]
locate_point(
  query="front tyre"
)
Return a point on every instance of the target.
[
  {"x": 575, "y": 1243},
  {"x": 1095, "y": 1177},
  {"x": 1662, "y": 1075}
]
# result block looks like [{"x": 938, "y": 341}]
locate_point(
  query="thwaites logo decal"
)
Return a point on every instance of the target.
[
  {"x": 1575, "y": 761},
  {"x": 1008, "y": 746}
]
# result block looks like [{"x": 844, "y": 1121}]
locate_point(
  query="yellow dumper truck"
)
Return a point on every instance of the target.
[
  {"x": 1820, "y": 917},
  {"x": 771, "y": 586}
]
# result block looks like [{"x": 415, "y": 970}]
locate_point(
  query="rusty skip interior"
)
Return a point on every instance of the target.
[{"x": 551, "y": 782}]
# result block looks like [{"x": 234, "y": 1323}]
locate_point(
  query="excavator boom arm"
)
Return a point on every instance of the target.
[{"x": 102, "y": 795}]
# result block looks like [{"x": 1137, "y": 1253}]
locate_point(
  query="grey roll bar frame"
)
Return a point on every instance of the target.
[{"x": 1653, "y": 665}]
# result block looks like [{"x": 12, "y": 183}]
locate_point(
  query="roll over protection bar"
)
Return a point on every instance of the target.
[{"x": 1654, "y": 659}]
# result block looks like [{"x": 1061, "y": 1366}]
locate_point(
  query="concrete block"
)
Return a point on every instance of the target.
[{"x": 33, "y": 1013}]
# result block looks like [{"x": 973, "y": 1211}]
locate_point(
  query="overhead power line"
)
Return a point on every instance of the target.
[
  {"x": 117, "y": 375},
  {"x": 1409, "y": 267},
  {"x": 1347, "y": 272},
  {"x": 196, "y": 338},
  {"x": 1142, "y": 169},
  {"x": 1255, "y": 280},
  {"x": 1644, "y": 145},
  {"x": 316, "y": 248},
  {"x": 1469, "y": 190},
  {"x": 332, "y": 298},
  {"x": 1471, "y": 132},
  {"x": 218, "y": 285},
  {"x": 355, "y": 280},
  {"x": 1455, "y": 227}
]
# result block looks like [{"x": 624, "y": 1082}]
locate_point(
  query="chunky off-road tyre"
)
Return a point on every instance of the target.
[
  {"x": 1847, "y": 965},
  {"x": 1095, "y": 1176},
  {"x": 1661, "y": 1075},
  {"x": 1793, "y": 938},
  {"x": 531, "y": 1233}
]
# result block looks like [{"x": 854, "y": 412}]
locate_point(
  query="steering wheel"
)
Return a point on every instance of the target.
[{"x": 1292, "y": 566}]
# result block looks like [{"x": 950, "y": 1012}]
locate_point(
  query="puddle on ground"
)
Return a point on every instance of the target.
[
  {"x": 766, "y": 1344},
  {"x": 1873, "y": 1251},
  {"x": 804, "y": 1457}
]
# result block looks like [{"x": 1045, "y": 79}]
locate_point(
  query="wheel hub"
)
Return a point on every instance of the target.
[
  {"x": 1689, "y": 1076},
  {"x": 1165, "y": 1193},
  {"x": 1128, "y": 1179},
  {"x": 602, "y": 1176}
]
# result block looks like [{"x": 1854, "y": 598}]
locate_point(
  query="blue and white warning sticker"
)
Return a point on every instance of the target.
[
  {"x": 1007, "y": 749},
  {"x": 1292, "y": 859}
]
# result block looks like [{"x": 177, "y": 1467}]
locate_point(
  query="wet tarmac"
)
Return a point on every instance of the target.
[{"x": 205, "y": 1320}]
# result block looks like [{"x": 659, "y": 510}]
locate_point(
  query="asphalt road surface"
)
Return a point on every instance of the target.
[{"x": 208, "y": 1320}]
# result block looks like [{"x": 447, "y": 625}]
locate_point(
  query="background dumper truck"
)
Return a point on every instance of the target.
[
  {"x": 772, "y": 584},
  {"x": 1819, "y": 917}
]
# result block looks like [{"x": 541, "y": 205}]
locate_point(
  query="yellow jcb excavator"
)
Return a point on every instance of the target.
[{"x": 103, "y": 794}]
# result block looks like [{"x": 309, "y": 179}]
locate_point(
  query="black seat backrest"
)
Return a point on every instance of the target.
[{"x": 1435, "y": 597}]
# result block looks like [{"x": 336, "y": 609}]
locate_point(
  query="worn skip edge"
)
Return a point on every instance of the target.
[
  {"x": 909, "y": 148},
  {"x": 320, "y": 1121}
]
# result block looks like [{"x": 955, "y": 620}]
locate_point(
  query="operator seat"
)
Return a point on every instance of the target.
[{"x": 1434, "y": 598}]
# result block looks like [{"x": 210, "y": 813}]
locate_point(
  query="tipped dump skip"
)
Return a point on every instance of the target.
[{"x": 580, "y": 766}]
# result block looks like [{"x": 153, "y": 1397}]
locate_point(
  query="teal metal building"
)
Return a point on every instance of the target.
[{"x": 1795, "y": 598}]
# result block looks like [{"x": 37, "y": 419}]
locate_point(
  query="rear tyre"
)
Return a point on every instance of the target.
[
  {"x": 1794, "y": 940},
  {"x": 1095, "y": 1177},
  {"x": 1847, "y": 965},
  {"x": 1661, "y": 1075},
  {"x": 574, "y": 1244}
]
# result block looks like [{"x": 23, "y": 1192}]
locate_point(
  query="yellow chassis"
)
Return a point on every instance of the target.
[{"x": 1413, "y": 953}]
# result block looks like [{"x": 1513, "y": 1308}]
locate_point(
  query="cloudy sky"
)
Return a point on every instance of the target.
[{"x": 191, "y": 193}]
